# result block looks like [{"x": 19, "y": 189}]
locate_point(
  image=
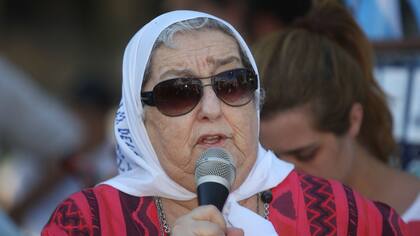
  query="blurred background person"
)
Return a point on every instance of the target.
[
  {"x": 325, "y": 112},
  {"x": 90, "y": 100},
  {"x": 93, "y": 100},
  {"x": 36, "y": 133},
  {"x": 50, "y": 149}
]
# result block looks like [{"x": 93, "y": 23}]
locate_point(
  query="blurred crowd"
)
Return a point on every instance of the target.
[{"x": 60, "y": 81}]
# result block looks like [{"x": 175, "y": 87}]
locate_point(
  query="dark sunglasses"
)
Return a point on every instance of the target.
[{"x": 178, "y": 96}]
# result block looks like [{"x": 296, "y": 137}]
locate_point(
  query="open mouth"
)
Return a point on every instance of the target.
[{"x": 211, "y": 139}]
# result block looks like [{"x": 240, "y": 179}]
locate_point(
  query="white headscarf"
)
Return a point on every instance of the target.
[{"x": 140, "y": 171}]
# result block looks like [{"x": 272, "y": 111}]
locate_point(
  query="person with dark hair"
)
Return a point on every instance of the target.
[
  {"x": 325, "y": 112},
  {"x": 191, "y": 99}
]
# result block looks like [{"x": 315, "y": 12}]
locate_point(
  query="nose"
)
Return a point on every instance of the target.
[{"x": 210, "y": 104}]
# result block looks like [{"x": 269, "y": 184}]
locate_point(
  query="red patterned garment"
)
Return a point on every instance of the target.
[
  {"x": 301, "y": 205},
  {"x": 414, "y": 227}
]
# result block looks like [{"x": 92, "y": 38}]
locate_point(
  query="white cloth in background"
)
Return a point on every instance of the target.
[
  {"x": 30, "y": 120},
  {"x": 412, "y": 213},
  {"x": 140, "y": 171}
]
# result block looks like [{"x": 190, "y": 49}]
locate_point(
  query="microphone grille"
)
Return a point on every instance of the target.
[{"x": 216, "y": 162}]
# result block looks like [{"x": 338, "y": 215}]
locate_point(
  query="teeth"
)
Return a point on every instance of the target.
[{"x": 211, "y": 139}]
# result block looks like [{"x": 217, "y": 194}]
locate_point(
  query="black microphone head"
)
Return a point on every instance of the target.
[{"x": 215, "y": 165}]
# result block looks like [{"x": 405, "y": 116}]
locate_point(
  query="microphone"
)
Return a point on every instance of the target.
[{"x": 214, "y": 175}]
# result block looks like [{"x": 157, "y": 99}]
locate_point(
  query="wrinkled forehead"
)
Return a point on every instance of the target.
[
  {"x": 188, "y": 52},
  {"x": 181, "y": 42}
]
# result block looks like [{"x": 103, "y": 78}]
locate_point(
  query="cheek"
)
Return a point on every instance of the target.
[
  {"x": 245, "y": 129},
  {"x": 168, "y": 139}
]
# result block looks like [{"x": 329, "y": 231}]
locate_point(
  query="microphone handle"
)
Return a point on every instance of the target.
[{"x": 212, "y": 193}]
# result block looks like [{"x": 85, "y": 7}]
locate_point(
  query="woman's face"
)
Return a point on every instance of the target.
[
  {"x": 290, "y": 134},
  {"x": 179, "y": 141}
]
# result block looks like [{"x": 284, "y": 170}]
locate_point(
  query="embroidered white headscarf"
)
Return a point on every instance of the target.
[{"x": 140, "y": 173}]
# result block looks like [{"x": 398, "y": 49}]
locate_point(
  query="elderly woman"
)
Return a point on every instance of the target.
[{"x": 190, "y": 83}]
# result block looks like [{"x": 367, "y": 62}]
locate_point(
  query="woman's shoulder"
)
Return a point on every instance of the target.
[
  {"x": 309, "y": 185},
  {"x": 315, "y": 203},
  {"x": 74, "y": 215},
  {"x": 101, "y": 209},
  {"x": 327, "y": 195},
  {"x": 89, "y": 199}
]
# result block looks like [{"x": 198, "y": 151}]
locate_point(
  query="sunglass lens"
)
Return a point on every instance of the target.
[
  {"x": 236, "y": 87},
  {"x": 177, "y": 97}
]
